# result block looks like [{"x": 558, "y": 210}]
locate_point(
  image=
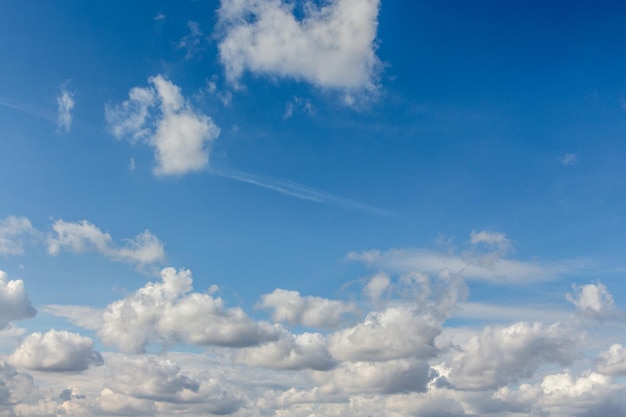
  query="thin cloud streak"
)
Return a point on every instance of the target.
[
  {"x": 300, "y": 191},
  {"x": 28, "y": 109}
]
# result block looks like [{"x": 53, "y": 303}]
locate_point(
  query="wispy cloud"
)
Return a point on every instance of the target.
[
  {"x": 300, "y": 191},
  {"x": 568, "y": 159},
  {"x": 28, "y": 109},
  {"x": 65, "y": 105}
]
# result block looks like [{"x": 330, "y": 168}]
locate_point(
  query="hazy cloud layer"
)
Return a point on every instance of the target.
[
  {"x": 331, "y": 46},
  {"x": 162, "y": 118}
]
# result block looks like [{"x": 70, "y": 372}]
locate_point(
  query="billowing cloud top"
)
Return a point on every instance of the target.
[{"x": 332, "y": 46}]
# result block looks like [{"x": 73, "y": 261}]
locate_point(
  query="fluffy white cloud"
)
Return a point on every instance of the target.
[
  {"x": 13, "y": 230},
  {"x": 306, "y": 350},
  {"x": 15, "y": 388},
  {"x": 396, "y": 376},
  {"x": 57, "y": 351},
  {"x": 14, "y": 302},
  {"x": 169, "y": 312},
  {"x": 291, "y": 307},
  {"x": 501, "y": 355},
  {"x": 65, "y": 105},
  {"x": 613, "y": 361},
  {"x": 396, "y": 332},
  {"x": 83, "y": 236},
  {"x": 376, "y": 286},
  {"x": 332, "y": 46},
  {"x": 593, "y": 301},
  {"x": 160, "y": 116}
]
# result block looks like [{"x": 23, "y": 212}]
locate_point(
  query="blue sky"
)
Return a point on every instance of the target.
[{"x": 292, "y": 208}]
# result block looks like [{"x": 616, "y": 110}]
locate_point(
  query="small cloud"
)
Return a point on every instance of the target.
[
  {"x": 568, "y": 159},
  {"x": 298, "y": 104},
  {"x": 593, "y": 301},
  {"x": 192, "y": 42},
  {"x": 131, "y": 165},
  {"x": 65, "y": 105},
  {"x": 160, "y": 16}
]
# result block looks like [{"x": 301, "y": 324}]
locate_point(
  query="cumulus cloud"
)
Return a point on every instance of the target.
[
  {"x": 390, "y": 377},
  {"x": 55, "y": 351},
  {"x": 14, "y": 302},
  {"x": 396, "y": 332},
  {"x": 502, "y": 355},
  {"x": 331, "y": 46},
  {"x": 15, "y": 388},
  {"x": 290, "y": 352},
  {"x": 65, "y": 105},
  {"x": 83, "y": 236},
  {"x": 162, "y": 118},
  {"x": 613, "y": 361},
  {"x": 169, "y": 312},
  {"x": 593, "y": 301},
  {"x": 376, "y": 286},
  {"x": 291, "y": 307},
  {"x": 13, "y": 231}
]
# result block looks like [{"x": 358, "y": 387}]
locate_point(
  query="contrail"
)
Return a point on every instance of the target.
[
  {"x": 300, "y": 191},
  {"x": 28, "y": 109}
]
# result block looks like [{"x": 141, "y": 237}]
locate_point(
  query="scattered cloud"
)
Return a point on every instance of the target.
[
  {"x": 169, "y": 312},
  {"x": 159, "y": 16},
  {"x": 332, "y": 46},
  {"x": 65, "y": 105},
  {"x": 593, "y": 301},
  {"x": 14, "y": 302},
  {"x": 13, "y": 231},
  {"x": 290, "y": 307},
  {"x": 192, "y": 42},
  {"x": 161, "y": 117},
  {"x": 83, "y": 236},
  {"x": 568, "y": 159},
  {"x": 55, "y": 351},
  {"x": 297, "y": 104}
]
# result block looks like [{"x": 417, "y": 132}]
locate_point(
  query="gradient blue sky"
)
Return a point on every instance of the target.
[{"x": 476, "y": 145}]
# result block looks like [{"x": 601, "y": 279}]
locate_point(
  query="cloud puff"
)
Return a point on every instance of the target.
[
  {"x": 161, "y": 117},
  {"x": 331, "y": 46},
  {"x": 65, "y": 105},
  {"x": 291, "y": 307},
  {"x": 613, "y": 361},
  {"x": 396, "y": 376},
  {"x": 55, "y": 351},
  {"x": 306, "y": 350},
  {"x": 396, "y": 332},
  {"x": 83, "y": 236},
  {"x": 501, "y": 355},
  {"x": 593, "y": 301},
  {"x": 13, "y": 230},
  {"x": 14, "y": 302},
  {"x": 169, "y": 312}
]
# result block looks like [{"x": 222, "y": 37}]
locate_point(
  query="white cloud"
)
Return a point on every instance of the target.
[
  {"x": 568, "y": 159},
  {"x": 397, "y": 332},
  {"x": 593, "y": 301},
  {"x": 501, "y": 355},
  {"x": 55, "y": 351},
  {"x": 162, "y": 118},
  {"x": 290, "y": 352},
  {"x": 15, "y": 388},
  {"x": 83, "y": 236},
  {"x": 291, "y": 307},
  {"x": 13, "y": 230},
  {"x": 376, "y": 286},
  {"x": 169, "y": 312},
  {"x": 14, "y": 302},
  {"x": 491, "y": 239},
  {"x": 395, "y": 376},
  {"x": 65, "y": 105},
  {"x": 613, "y": 361},
  {"x": 332, "y": 46}
]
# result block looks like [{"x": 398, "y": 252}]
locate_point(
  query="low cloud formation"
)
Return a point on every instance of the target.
[
  {"x": 83, "y": 237},
  {"x": 290, "y": 307},
  {"x": 169, "y": 312},
  {"x": 13, "y": 233},
  {"x": 14, "y": 302},
  {"x": 162, "y": 118},
  {"x": 55, "y": 351},
  {"x": 593, "y": 301},
  {"x": 331, "y": 46},
  {"x": 65, "y": 105}
]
